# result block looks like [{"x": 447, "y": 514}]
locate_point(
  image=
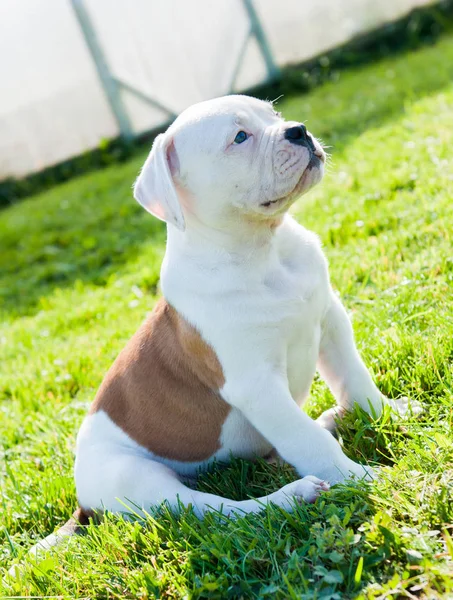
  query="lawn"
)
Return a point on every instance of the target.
[{"x": 79, "y": 270}]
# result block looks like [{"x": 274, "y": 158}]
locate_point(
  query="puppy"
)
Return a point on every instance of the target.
[
  {"x": 224, "y": 363},
  {"x": 226, "y": 359}
]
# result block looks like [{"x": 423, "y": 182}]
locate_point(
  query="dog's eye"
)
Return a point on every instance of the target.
[{"x": 241, "y": 137}]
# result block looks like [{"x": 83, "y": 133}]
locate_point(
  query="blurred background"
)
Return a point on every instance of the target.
[{"x": 75, "y": 73}]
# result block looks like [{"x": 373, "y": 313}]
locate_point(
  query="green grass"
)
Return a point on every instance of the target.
[{"x": 79, "y": 268}]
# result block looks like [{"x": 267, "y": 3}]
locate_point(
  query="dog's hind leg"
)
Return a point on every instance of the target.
[
  {"x": 125, "y": 483},
  {"x": 129, "y": 483}
]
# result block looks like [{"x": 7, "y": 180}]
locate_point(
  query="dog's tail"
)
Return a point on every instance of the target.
[{"x": 75, "y": 526}]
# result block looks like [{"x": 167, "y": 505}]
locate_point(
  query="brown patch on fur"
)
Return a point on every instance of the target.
[
  {"x": 163, "y": 389},
  {"x": 83, "y": 516},
  {"x": 76, "y": 524}
]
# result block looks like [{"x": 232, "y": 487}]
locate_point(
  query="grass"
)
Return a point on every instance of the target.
[{"x": 79, "y": 269}]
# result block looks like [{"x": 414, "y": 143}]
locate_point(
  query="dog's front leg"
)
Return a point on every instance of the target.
[
  {"x": 264, "y": 398},
  {"x": 343, "y": 370}
]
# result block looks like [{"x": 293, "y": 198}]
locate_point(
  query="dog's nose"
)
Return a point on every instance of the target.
[{"x": 297, "y": 134}]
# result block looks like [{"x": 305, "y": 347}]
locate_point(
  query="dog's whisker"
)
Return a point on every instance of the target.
[{"x": 276, "y": 99}]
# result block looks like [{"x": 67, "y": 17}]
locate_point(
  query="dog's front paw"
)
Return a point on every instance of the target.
[
  {"x": 404, "y": 407},
  {"x": 330, "y": 418},
  {"x": 347, "y": 469}
]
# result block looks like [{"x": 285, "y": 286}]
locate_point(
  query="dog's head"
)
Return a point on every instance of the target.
[{"x": 228, "y": 158}]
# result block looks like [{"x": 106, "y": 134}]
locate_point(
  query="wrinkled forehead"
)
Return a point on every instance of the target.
[{"x": 221, "y": 114}]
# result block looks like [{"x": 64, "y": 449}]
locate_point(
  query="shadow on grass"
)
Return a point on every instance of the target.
[
  {"x": 312, "y": 552},
  {"x": 90, "y": 228}
]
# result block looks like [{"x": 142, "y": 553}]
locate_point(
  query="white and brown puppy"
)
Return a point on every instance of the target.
[
  {"x": 226, "y": 359},
  {"x": 224, "y": 362}
]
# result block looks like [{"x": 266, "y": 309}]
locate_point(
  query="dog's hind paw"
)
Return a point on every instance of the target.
[{"x": 308, "y": 489}]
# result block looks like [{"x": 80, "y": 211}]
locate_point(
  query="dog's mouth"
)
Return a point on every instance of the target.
[
  {"x": 271, "y": 202},
  {"x": 315, "y": 162}
]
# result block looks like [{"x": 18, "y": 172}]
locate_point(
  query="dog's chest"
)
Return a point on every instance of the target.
[{"x": 297, "y": 289}]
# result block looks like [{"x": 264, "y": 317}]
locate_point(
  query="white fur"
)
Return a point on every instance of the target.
[
  {"x": 259, "y": 295},
  {"x": 116, "y": 474}
]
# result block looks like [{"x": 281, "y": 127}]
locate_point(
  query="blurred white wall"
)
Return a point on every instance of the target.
[{"x": 52, "y": 105}]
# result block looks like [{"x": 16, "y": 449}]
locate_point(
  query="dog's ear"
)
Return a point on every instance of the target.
[{"x": 155, "y": 189}]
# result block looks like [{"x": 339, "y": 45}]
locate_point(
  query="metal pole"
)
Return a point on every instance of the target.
[
  {"x": 144, "y": 97},
  {"x": 273, "y": 70},
  {"x": 238, "y": 62},
  {"x": 109, "y": 85}
]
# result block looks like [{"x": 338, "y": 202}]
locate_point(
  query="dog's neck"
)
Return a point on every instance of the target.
[{"x": 237, "y": 240}]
